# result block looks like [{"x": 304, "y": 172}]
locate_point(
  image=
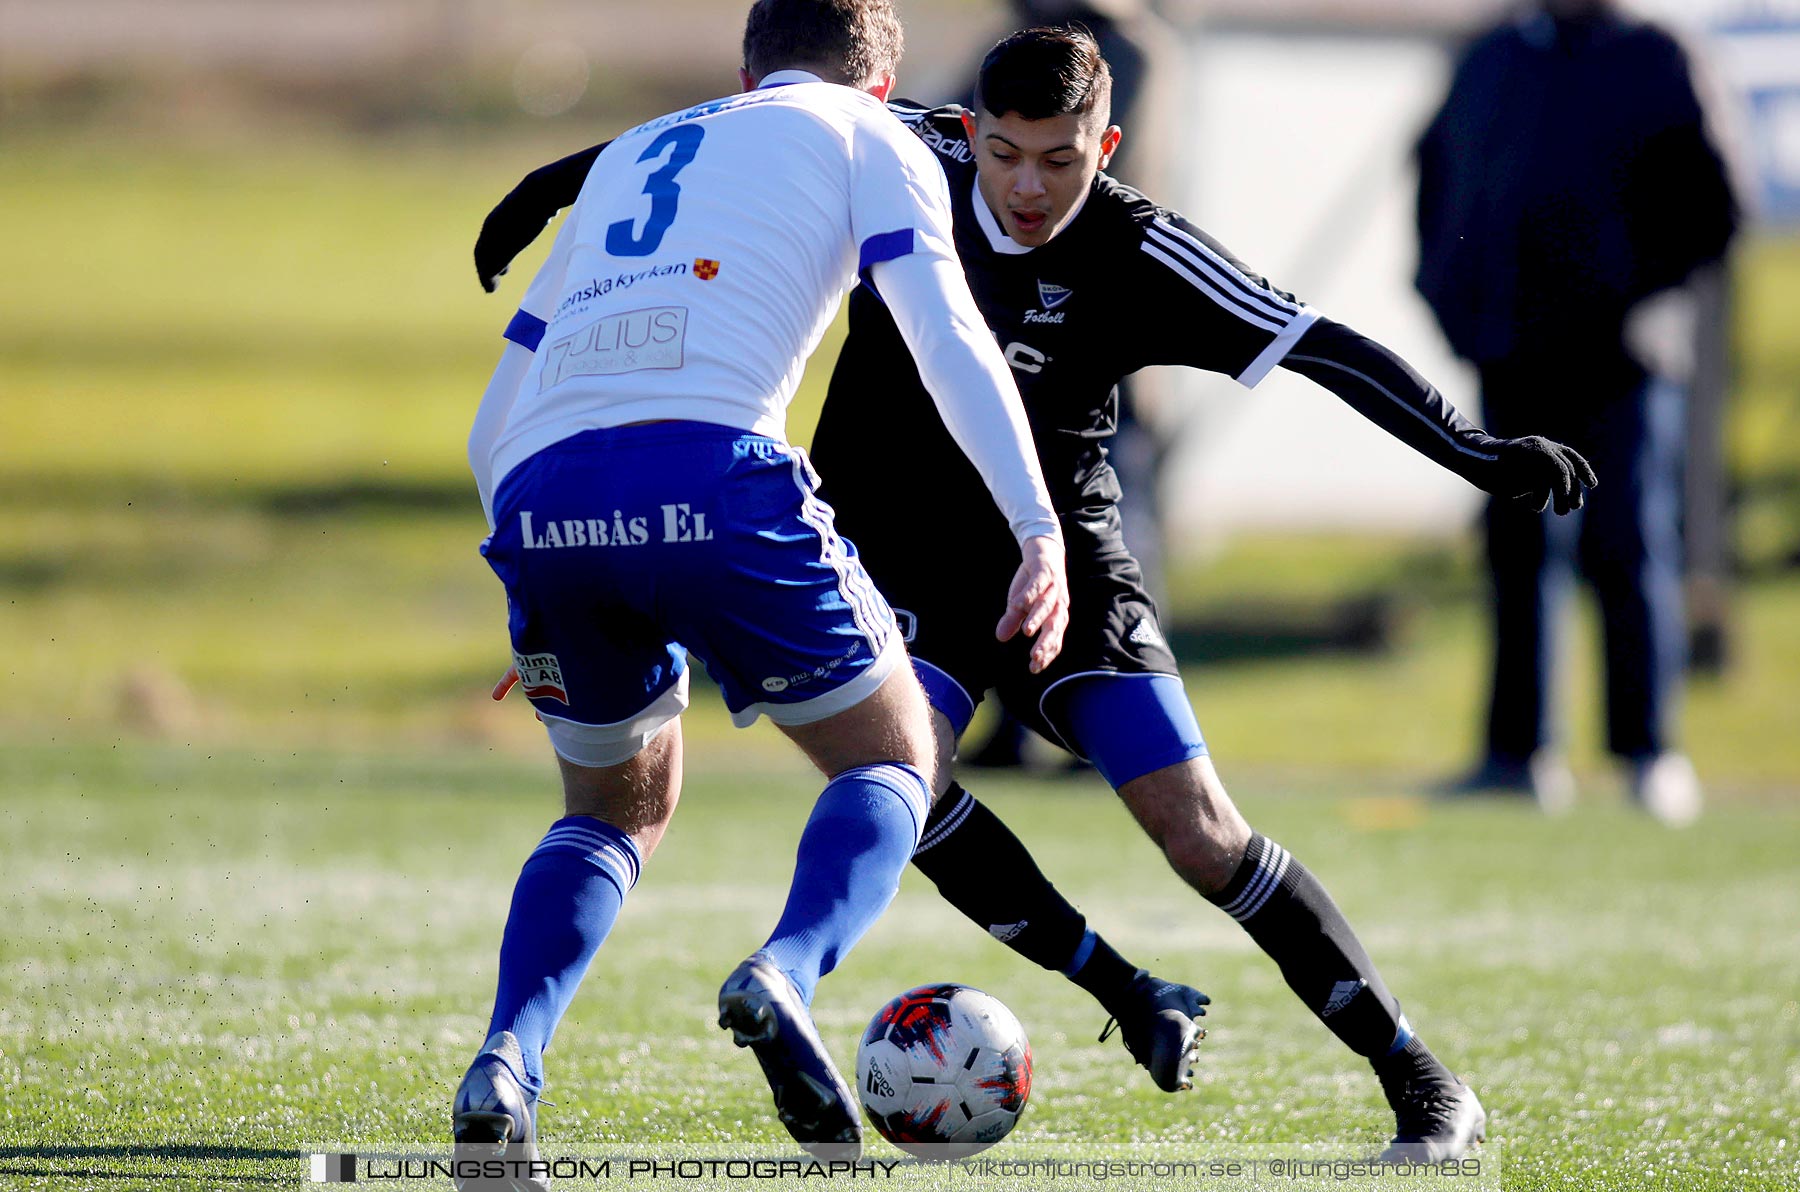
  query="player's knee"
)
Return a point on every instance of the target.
[
  {"x": 891, "y": 724},
  {"x": 637, "y": 795},
  {"x": 916, "y": 749},
  {"x": 1201, "y": 854},
  {"x": 907, "y": 729},
  {"x": 1186, "y": 811}
]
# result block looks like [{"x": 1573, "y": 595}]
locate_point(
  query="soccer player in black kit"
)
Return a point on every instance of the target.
[{"x": 1084, "y": 281}]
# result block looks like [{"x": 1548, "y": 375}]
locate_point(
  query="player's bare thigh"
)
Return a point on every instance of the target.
[
  {"x": 1185, "y": 810},
  {"x": 893, "y": 724},
  {"x": 637, "y": 796}
]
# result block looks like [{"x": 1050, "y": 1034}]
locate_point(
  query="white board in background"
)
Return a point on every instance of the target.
[{"x": 1297, "y": 158}]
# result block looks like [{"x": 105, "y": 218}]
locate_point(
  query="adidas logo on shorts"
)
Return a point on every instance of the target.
[{"x": 1145, "y": 633}]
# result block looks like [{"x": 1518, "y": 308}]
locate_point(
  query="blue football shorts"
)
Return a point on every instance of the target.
[{"x": 625, "y": 549}]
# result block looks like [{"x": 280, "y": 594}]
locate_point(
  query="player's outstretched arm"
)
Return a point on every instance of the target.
[
  {"x": 518, "y": 218},
  {"x": 1386, "y": 390}
]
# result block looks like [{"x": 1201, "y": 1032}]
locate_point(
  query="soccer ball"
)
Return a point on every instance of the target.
[{"x": 944, "y": 1071}]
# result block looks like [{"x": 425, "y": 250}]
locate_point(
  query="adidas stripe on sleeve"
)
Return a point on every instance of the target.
[{"x": 1220, "y": 316}]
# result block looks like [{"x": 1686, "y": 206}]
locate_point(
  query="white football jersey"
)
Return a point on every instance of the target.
[{"x": 707, "y": 254}]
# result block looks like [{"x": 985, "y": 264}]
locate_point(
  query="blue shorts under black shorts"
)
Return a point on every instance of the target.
[{"x": 625, "y": 549}]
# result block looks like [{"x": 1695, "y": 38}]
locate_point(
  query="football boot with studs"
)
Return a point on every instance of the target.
[
  {"x": 762, "y": 1009},
  {"x": 1156, "y": 1019},
  {"x": 495, "y": 1117}
]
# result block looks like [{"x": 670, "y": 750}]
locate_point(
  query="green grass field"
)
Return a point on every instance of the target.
[
  {"x": 259, "y": 821},
  {"x": 211, "y": 961}
]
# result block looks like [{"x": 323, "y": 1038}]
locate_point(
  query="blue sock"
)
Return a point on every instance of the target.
[
  {"x": 566, "y": 900},
  {"x": 862, "y": 833}
]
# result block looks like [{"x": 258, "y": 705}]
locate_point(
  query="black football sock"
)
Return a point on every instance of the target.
[
  {"x": 1412, "y": 1062},
  {"x": 1291, "y": 917},
  {"x": 1104, "y": 973},
  {"x": 985, "y": 872}
]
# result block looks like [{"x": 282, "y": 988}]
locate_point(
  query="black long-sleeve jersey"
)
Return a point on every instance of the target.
[{"x": 1126, "y": 284}]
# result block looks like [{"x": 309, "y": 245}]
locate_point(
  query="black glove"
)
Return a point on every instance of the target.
[
  {"x": 518, "y": 218},
  {"x": 1540, "y": 473}
]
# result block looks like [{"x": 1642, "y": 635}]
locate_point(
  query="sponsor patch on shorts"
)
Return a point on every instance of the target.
[{"x": 541, "y": 677}]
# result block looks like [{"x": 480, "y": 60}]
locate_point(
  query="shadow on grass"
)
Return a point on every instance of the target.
[
  {"x": 1266, "y": 631},
  {"x": 56, "y": 1162},
  {"x": 150, "y": 493}
]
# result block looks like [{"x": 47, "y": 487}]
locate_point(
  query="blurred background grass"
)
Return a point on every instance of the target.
[{"x": 236, "y": 386}]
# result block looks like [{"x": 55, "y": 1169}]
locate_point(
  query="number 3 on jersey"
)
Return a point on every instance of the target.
[{"x": 664, "y": 192}]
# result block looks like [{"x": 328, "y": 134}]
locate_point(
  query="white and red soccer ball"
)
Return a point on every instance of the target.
[{"x": 944, "y": 1071}]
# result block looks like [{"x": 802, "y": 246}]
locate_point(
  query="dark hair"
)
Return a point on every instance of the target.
[
  {"x": 849, "y": 41},
  {"x": 1051, "y": 70}
]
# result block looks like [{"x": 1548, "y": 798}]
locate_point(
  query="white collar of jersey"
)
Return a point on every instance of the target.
[
  {"x": 781, "y": 78},
  {"x": 998, "y": 240}
]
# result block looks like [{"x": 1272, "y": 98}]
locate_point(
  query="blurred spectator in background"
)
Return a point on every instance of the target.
[{"x": 1568, "y": 187}]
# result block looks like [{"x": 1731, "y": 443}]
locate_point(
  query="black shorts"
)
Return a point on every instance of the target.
[{"x": 948, "y": 597}]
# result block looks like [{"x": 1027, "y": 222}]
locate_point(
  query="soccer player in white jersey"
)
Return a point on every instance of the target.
[{"x": 645, "y": 503}]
